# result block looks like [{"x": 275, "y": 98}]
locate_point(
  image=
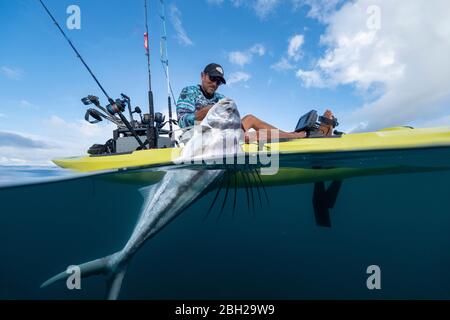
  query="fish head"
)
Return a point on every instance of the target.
[
  {"x": 219, "y": 133},
  {"x": 223, "y": 115}
]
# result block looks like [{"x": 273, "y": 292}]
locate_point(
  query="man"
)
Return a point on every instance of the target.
[{"x": 195, "y": 101}]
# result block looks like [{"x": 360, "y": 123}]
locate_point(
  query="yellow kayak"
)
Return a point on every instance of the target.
[{"x": 398, "y": 138}]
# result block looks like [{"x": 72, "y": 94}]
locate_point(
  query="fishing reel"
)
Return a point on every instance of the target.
[
  {"x": 160, "y": 121},
  {"x": 113, "y": 109},
  {"x": 117, "y": 107},
  {"x": 96, "y": 114}
]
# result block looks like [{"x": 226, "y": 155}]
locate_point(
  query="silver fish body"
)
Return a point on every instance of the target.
[{"x": 174, "y": 193}]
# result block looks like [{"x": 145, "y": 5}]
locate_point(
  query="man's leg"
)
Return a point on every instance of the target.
[{"x": 252, "y": 122}]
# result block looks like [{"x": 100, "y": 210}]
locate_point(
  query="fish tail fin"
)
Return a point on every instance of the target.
[
  {"x": 115, "y": 283},
  {"x": 108, "y": 265}
]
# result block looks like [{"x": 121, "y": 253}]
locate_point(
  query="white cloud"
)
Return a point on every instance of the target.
[
  {"x": 22, "y": 103},
  {"x": 59, "y": 138},
  {"x": 4, "y": 161},
  {"x": 406, "y": 59},
  {"x": 319, "y": 9},
  {"x": 310, "y": 78},
  {"x": 237, "y": 3},
  {"x": 11, "y": 73},
  {"x": 258, "y": 49},
  {"x": 264, "y": 7},
  {"x": 182, "y": 36},
  {"x": 293, "y": 53},
  {"x": 80, "y": 128},
  {"x": 238, "y": 77},
  {"x": 12, "y": 139},
  {"x": 295, "y": 44},
  {"x": 27, "y": 104},
  {"x": 23, "y": 156},
  {"x": 283, "y": 65},
  {"x": 242, "y": 58},
  {"x": 438, "y": 122}
]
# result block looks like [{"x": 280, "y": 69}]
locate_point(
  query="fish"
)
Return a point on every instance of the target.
[{"x": 218, "y": 134}]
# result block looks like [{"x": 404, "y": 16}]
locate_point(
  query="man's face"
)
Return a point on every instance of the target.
[{"x": 208, "y": 85}]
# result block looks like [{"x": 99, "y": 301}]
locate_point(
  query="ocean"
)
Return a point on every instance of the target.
[{"x": 397, "y": 222}]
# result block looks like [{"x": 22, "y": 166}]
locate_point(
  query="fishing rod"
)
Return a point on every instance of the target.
[
  {"x": 151, "y": 133},
  {"x": 114, "y": 107},
  {"x": 165, "y": 64}
]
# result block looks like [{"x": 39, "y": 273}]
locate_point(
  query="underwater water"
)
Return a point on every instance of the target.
[{"x": 398, "y": 220}]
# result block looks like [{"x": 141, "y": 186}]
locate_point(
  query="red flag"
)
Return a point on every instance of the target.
[{"x": 146, "y": 40}]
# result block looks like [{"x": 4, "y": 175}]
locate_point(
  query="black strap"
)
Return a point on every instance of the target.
[
  {"x": 91, "y": 112},
  {"x": 329, "y": 122}
]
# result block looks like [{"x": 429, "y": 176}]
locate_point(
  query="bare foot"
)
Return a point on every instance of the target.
[
  {"x": 328, "y": 114},
  {"x": 327, "y": 130}
]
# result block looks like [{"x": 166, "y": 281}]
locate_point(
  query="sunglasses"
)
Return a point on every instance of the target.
[{"x": 215, "y": 79}]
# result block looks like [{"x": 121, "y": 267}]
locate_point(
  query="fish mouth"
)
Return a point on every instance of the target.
[{"x": 224, "y": 115}]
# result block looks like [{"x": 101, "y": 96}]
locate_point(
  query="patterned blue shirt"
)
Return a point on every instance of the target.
[{"x": 191, "y": 100}]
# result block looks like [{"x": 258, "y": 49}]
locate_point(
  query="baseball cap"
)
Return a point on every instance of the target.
[{"x": 215, "y": 70}]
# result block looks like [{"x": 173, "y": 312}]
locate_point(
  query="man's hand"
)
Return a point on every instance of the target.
[{"x": 201, "y": 114}]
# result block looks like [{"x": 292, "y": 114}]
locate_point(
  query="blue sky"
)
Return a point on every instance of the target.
[{"x": 362, "y": 59}]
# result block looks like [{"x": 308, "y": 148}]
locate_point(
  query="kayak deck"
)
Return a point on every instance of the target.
[{"x": 399, "y": 138}]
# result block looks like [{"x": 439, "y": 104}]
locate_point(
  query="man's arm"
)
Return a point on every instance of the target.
[
  {"x": 186, "y": 108},
  {"x": 201, "y": 114}
]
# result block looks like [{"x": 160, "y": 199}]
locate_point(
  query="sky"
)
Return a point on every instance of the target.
[{"x": 375, "y": 63}]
